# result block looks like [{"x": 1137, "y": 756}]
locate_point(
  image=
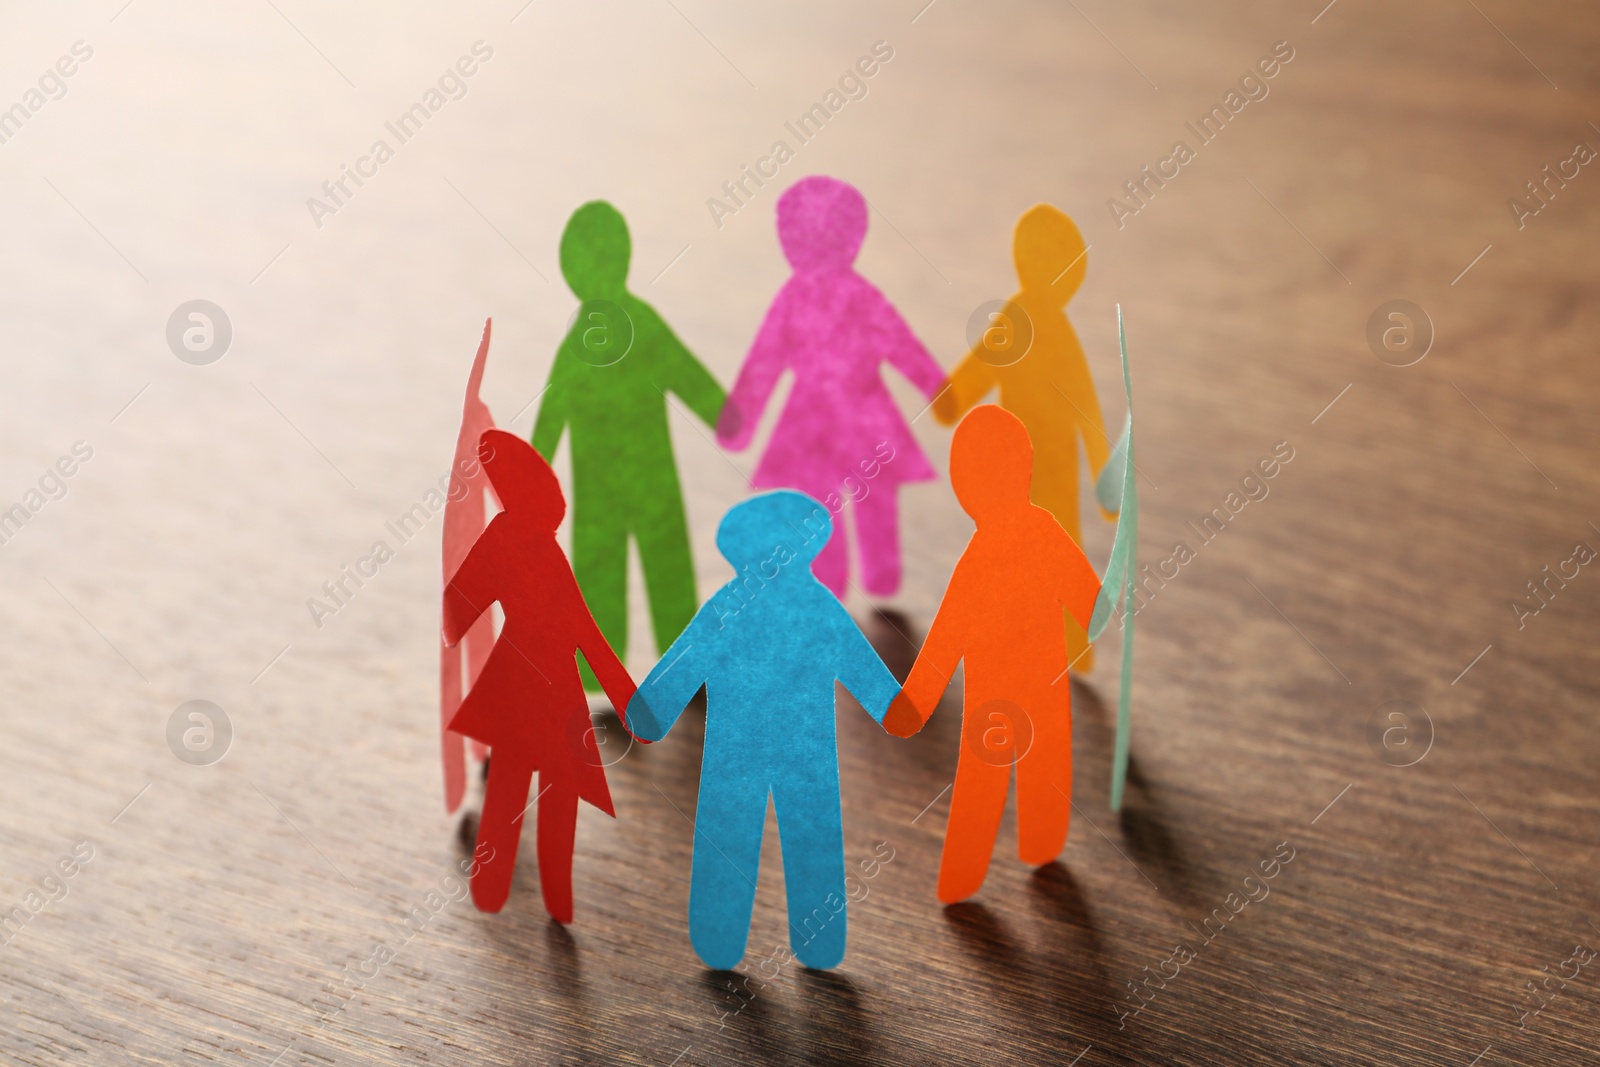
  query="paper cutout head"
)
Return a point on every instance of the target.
[
  {"x": 991, "y": 463},
  {"x": 1049, "y": 253},
  {"x": 821, "y": 223},
  {"x": 522, "y": 479},
  {"x": 755, "y": 531},
  {"x": 594, "y": 252}
]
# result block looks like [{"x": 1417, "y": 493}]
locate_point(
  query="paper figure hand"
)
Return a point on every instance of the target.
[
  {"x": 733, "y": 429},
  {"x": 902, "y": 719},
  {"x": 641, "y": 721},
  {"x": 946, "y": 408}
]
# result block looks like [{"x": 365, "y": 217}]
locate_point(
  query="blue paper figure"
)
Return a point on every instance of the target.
[{"x": 768, "y": 647}]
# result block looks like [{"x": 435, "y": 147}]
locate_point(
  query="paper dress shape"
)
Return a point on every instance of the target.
[
  {"x": 768, "y": 648},
  {"x": 528, "y": 704},
  {"x": 840, "y": 435},
  {"x": 1003, "y": 616},
  {"x": 608, "y": 385},
  {"x": 1031, "y": 353},
  {"x": 464, "y": 518}
]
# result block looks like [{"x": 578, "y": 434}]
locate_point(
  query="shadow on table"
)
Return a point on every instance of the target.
[
  {"x": 1145, "y": 830},
  {"x": 1058, "y": 991},
  {"x": 749, "y": 1023}
]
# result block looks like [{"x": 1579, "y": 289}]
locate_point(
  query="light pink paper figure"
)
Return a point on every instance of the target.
[
  {"x": 465, "y": 516},
  {"x": 840, "y": 432}
]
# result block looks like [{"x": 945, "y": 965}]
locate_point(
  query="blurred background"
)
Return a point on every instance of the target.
[{"x": 189, "y": 155}]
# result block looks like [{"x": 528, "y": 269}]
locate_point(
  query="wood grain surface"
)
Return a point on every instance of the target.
[{"x": 255, "y": 910}]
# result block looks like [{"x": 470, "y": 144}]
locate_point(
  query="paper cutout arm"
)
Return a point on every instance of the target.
[
  {"x": 929, "y": 678},
  {"x": 864, "y": 675},
  {"x": 671, "y": 683},
  {"x": 688, "y": 377},
  {"x": 470, "y": 591},
  {"x": 972, "y": 380},
  {"x": 551, "y": 422},
  {"x": 1091, "y": 424},
  {"x": 908, "y": 355},
  {"x": 1081, "y": 585},
  {"x": 603, "y": 661},
  {"x": 763, "y": 366}
]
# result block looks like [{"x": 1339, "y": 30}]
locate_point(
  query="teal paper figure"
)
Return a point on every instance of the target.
[
  {"x": 609, "y": 385},
  {"x": 1118, "y": 491},
  {"x": 768, "y": 647}
]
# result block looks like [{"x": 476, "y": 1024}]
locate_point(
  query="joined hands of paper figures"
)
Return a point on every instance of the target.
[{"x": 529, "y": 704}]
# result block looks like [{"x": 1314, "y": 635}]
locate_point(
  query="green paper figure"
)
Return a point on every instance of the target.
[{"x": 609, "y": 385}]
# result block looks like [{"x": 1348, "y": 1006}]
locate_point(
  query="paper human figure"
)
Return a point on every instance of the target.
[
  {"x": 840, "y": 435},
  {"x": 1117, "y": 488},
  {"x": 1031, "y": 353},
  {"x": 768, "y": 647},
  {"x": 1003, "y": 616},
  {"x": 464, "y": 518},
  {"x": 528, "y": 705},
  {"x": 609, "y": 385}
]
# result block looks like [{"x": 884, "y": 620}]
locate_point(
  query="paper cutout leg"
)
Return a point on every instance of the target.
[
  {"x": 663, "y": 541},
  {"x": 729, "y": 819},
  {"x": 600, "y": 563},
  {"x": 1044, "y": 780},
  {"x": 558, "y": 825},
  {"x": 878, "y": 540},
  {"x": 976, "y": 804},
  {"x": 452, "y": 746},
  {"x": 811, "y": 831},
  {"x": 500, "y": 828}
]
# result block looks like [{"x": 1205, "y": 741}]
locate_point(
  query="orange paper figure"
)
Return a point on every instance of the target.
[
  {"x": 1031, "y": 353},
  {"x": 529, "y": 705},
  {"x": 464, "y": 516},
  {"x": 1003, "y": 614}
]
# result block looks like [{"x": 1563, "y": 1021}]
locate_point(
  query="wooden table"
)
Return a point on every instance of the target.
[{"x": 224, "y": 905}]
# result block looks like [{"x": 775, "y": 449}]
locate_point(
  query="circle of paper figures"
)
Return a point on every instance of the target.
[{"x": 768, "y": 646}]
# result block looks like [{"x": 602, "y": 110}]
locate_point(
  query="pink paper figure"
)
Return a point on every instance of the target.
[
  {"x": 465, "y": 515},
  {"x": 840, "y": 431}
]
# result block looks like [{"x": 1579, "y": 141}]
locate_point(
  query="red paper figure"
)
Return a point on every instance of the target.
[
  {"x": 464, "y": 517},
  {"x": 528, "y": 705}
]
